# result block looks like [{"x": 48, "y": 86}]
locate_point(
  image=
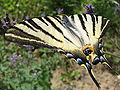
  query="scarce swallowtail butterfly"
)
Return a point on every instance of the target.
[{"x": 77, "y": 36}]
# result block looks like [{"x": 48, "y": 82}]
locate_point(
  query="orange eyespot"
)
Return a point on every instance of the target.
[{"x": 90, "y": 47}]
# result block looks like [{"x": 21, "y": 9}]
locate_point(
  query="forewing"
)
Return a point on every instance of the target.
[
  {"x": 40, "y": 32},
  {"x": 48, "y": 32},
  {"x": 91, "y": 27}
]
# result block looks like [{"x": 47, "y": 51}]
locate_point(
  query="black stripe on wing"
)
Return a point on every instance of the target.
[
  {"x": 104, "y": 21},
  {"x": 96, "y": 16},
  {"x": 104, "y": 26},
  {"x": 33, "y": 43},
  {"x": 72, "y": 17},
  {"x": 85, "y": 16},
  {"x": 41, "y": 19},
  {"x": 59, "y": 20},
  {"x": 19, "y": 32},
  {"x": 68, "y": 24},
  {"x": 57, "y": 28},
  {"x": 53, "y": 24},
  {"x": 82, "y": 23},
  {"x": 41, "y": 29},
  {"x": 58, "y": 17},
  {"x": 24, "y": 23},
  {"x": 93, "y": 20}
]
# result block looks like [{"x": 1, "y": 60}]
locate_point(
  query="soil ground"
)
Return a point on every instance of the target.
[{"x": 107, "y": 80}]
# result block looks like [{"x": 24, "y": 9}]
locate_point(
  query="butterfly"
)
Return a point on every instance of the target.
[{"x": 77, "y": 36}]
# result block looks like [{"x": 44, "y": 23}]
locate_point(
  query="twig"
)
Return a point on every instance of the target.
[{"x": 112, "y": 54}]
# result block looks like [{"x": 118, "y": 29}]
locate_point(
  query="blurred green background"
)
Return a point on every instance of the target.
[{"x": 21, "y": 69}]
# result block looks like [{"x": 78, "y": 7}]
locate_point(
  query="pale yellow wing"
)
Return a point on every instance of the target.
[{"x": 48, "y": 32}]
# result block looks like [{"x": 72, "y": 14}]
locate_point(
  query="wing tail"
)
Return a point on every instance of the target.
[
  {"x": 89, "y": 69},
  {"x": 93, "y": 77}
]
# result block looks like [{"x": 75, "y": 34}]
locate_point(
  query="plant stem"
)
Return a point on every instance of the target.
[{"x": 112, "y": 54}]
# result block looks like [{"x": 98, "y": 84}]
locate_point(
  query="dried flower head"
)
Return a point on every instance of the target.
[
  {"x": 27, "y": 17},
  {"x": 5, "y": 23},
  {"x": 89, "y": 9},
  {"x": 117, "y": 9},
  {"x": 60, "y": 10},
  {"x": 43, "y": 15},
  {"x": 14, "y": 58},
  {"x": 28, "y": 48}
]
